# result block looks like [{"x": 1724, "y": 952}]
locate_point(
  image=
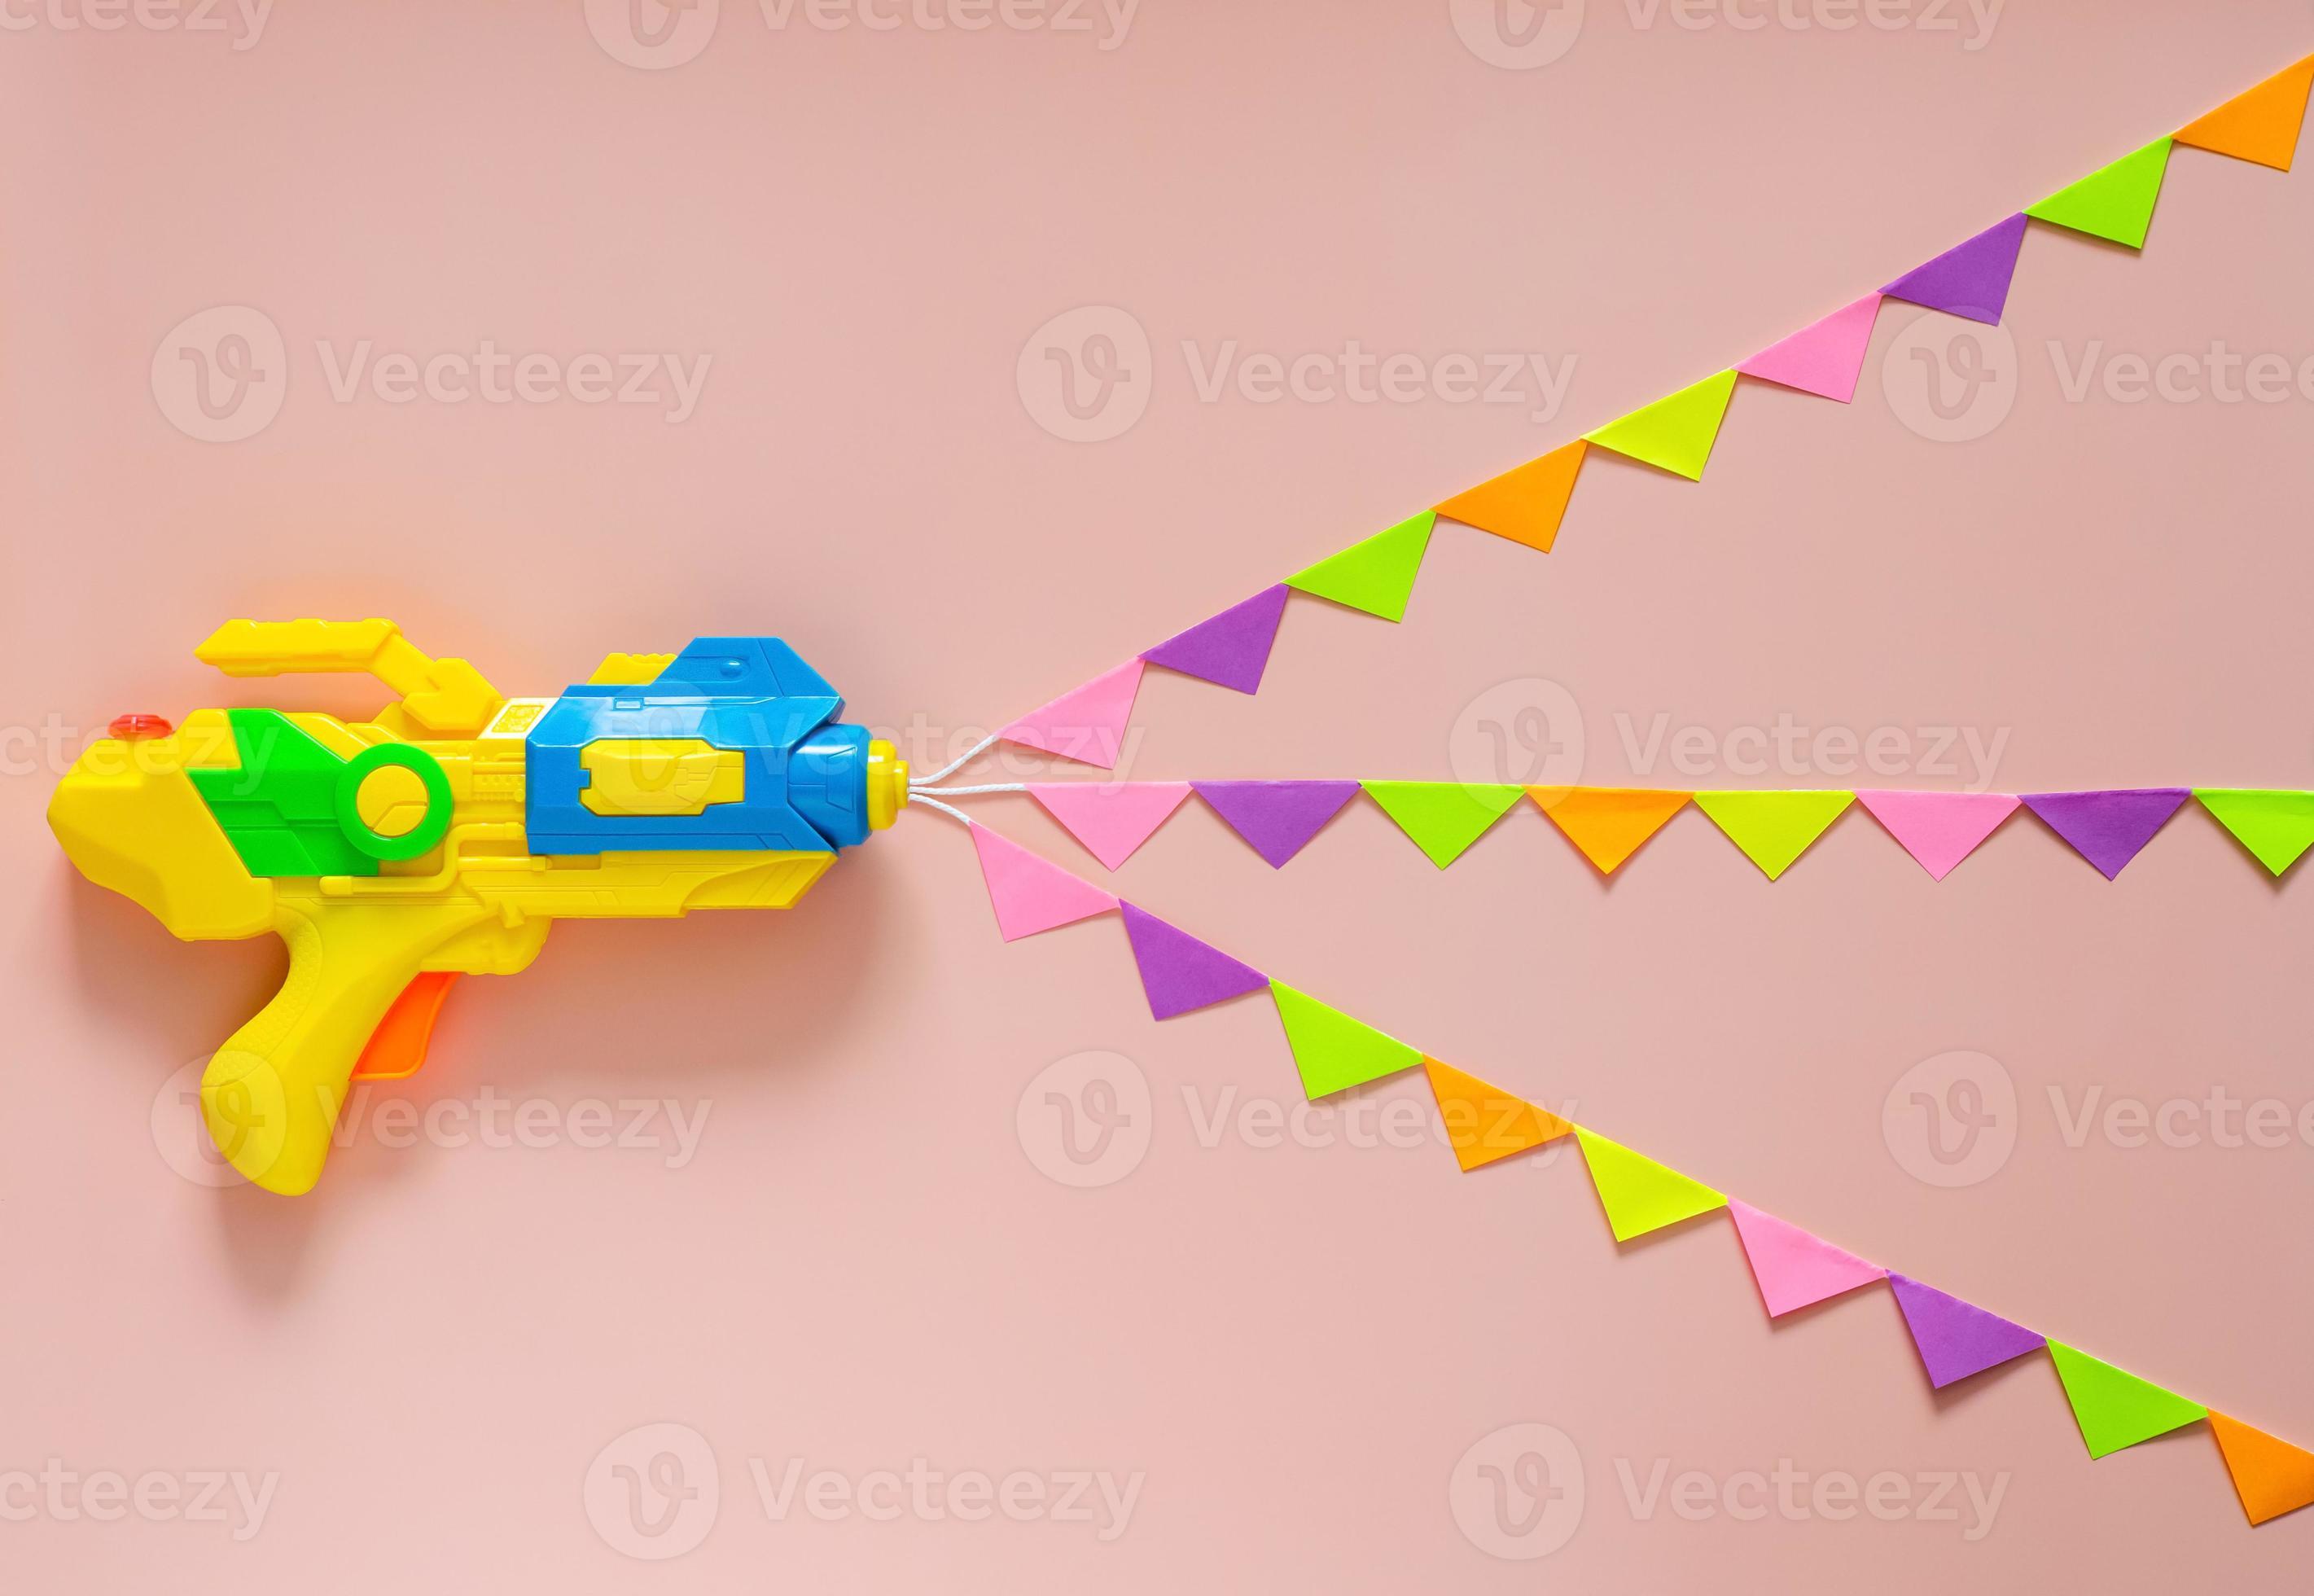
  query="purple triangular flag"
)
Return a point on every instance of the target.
[
  {"x": 1233, "y": 648},
  {"x": 1180, "y": 973},
  {"x": 1277, "y": 818},
  {"x": 2107, "y": 828},
  {"x": 1956, "y": 1339},
  {"x": 1970, "y": 279}
]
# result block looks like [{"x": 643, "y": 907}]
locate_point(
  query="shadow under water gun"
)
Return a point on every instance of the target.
[{"x": 442, "y": 836}]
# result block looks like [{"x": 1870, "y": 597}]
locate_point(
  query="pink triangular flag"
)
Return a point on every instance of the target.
[
  {"x": 1939, "y": 829},
  {"x": 1110, "y": 818},
  {"x": 1032, "y": 894},
  {"x": 1792, "y": 1268},
  {"x": 1821, "y": 357},
  {"x": 1087, "y": 724}
]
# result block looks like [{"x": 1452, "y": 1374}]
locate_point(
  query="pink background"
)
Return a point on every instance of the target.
[{"x": 862, "y": 1265}]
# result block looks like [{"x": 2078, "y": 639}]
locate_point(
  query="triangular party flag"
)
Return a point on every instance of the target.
[
  {"x": 2115, "y": 1408},
  {"x": 1178, "y": 971},
  {"x": 2259, "y": 124},
  {"x": 1332, "y": 1050},
  {"x": 1484, "y": 1122},
  {"x": 2107, "y": 828},
  {"x": 1607, "y": 823},
  {"x": 1279, "y": 818},
  {"x": 1086, "y": 723},
  {"x": 1231, "y": 649},
  {"x": 1970, "y": 279},
  {"x": 1639, "y": 1193},
  {"x": 1939, "y": 829},
  {"x": 1028, "y": 894},
  {"x": 1110, "y": 818},
  {"x": 2116, "y": 201},
  {"x": 1443, "y": 817},
  {"x": 1676, "y": 432},
  {"x": 1821, "y": 357},
  {"x": 1957, "y": 1339},
  {"x": 2270, "y": 1476},
  {"x": 2275, "y": 826},
  {"x": 1377, "y": 575},
  {"x": 1524, "y": 504},
  {"x": 1773, "y": 828},
  {"x": 1792, "y": 1268}
]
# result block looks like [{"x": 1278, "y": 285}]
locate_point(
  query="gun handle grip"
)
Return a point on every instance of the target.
[{"x": 271, "y": 1095}]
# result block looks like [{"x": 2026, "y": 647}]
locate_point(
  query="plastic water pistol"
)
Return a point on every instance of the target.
[{"x": 443, "y": 836}]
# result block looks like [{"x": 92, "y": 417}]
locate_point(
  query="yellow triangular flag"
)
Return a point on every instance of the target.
[
  {"x": 1676, "y": 432},
  {"x": 1639, "y": 1193}
]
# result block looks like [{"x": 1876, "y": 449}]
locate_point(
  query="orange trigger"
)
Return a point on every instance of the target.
[{"x": 397, "y": 1048}]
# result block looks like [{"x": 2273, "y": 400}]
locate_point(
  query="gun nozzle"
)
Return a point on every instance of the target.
[{"x": 887, "y": 784}]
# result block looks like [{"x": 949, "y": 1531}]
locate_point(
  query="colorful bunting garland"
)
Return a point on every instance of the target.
[
  {"x": 1792, "y": 1268},
  {"x": 1773, "y": 827},
  {"x": 1333, "y": 1051},
  {"x": 1527, "y": 503}
]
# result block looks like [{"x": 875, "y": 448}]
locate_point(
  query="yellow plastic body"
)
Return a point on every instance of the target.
[
  {"x": 661, "y": 775},
  {"x": 478, "y": 903}
]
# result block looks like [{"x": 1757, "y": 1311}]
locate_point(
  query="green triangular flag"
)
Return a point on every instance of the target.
[
  {"x": 1639, "y": 1193},
  {"x": 1333, "y": 1051},
  {"x": 1675, "y": 433},
  {"x": 2116, "y": 201},
  {"x": 1443, "y": 817},
  {"x": 1377, "y": 575},
  {"x": 2115, "y": 1409},
  {"x": 1774, "y": 828},
  {"x": 2276, "y": 827}
]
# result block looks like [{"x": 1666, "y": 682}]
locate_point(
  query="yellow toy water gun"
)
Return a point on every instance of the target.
[{"x": 443, "y": 836}]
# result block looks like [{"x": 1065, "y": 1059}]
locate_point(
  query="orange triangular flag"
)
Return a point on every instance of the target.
[
  {"x": 1607, "y": 823},
  {"x": 2259, "y": 124},
  {"x": 2271, "y": 1476},
  {"x": 1524, "y": 504},
  {"x": 1485, "y": 1122}
]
